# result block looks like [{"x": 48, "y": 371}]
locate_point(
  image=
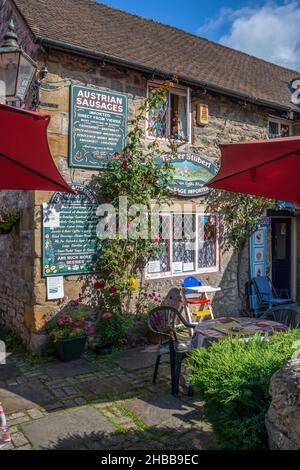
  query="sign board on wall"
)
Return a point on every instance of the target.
[
  {"x": 258, "y": 252},
  {"x": 191, "y": 173},
  {"x": 98, "y": 126},
  {"x": 69, "y": 241}
]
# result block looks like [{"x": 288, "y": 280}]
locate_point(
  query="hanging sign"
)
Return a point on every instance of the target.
[
  {"x": 191, "y": 173},
  {"x": 98, "y": 126},
  {"x": 258, "y": 252},
  {"x": 70, "y": 244}
]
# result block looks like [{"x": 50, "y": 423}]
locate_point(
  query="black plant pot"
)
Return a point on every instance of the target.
[
  {"x": 4, "y": 231},
  {"x": 103, "y": 349},
  {"x": 70, "y": 349}
]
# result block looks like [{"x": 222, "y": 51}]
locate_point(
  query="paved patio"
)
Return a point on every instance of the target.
[{"x": 100, "y": 402}]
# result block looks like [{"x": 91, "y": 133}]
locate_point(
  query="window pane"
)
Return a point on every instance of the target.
[
  {"x": 280, "y": 241},
  {"x": 184, "y": 241},
  {"x": 285, "y": 130},
  {"x": 178, "y": 110},
  {"x": 160, "y": 261},
  {"x": 207, "y": 241},
  {"x": 158, "y": 120},
  {"x": 273, "y": 129}
]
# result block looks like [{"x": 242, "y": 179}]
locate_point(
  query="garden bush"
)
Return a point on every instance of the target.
[{"x": 233, "y": 377}]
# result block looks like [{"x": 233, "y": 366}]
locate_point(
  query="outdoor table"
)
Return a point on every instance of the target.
[
  {"x": 209, "y": 331},
  {"x": 204, "y": 289}
]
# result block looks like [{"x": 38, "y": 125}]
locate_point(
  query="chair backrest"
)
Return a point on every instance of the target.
[
  {"x": 162, "y": 321},
  {"x": 173, "y": 298},
  {"x": 286, "y": 315},
  {"x": 264, "y": 288},
  {"x": 190, "y": 281}
]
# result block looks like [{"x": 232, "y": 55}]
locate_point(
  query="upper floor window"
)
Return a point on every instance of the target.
[
  {"x": 172, "y": 118},
  {"x": 277, "y": 128}
]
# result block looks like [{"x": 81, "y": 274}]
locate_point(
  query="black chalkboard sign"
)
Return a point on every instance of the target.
[
  {"x": 70, "y": 244},
  {"x": 98, "y": 126}
]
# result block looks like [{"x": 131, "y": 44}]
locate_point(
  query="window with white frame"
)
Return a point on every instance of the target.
[
  {"x": 171, "y": 118},
  {"x": 278, "y": 128},
  {"x": 185, "y": 244}
]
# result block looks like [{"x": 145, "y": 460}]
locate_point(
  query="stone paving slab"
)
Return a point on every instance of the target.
[
  {"x": 67, "y": 430},
  {"x": 8, "y": 371},
  {"x": 69, "y": 369},
  {"x": 164, "y": 410},
  {"x": 105, "y": 386},
  {"x": 25, "y": 396},
  {"x": 138, "y": 358}
]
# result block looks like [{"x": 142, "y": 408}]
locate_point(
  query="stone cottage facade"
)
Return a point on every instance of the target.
[{"x": 90, "y": 45}]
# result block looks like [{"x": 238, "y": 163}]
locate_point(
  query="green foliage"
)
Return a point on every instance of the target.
[
  {"x": 9, "y": 216},
  {"x": 233, "y": 377},
  {"x": 113, "y": 326},
  {"x": 240, "y": 215},
  {"x": 135, "y": 175}
]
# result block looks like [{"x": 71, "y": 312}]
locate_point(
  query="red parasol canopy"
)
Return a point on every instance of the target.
[
  {"x": 25, "y": 158},
  {"x": 268, "y": 168}
]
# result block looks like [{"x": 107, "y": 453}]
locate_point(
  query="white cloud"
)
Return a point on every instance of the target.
[{"x": 270, "y": 32}]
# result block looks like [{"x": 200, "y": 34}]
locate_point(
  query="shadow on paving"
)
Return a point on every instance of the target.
[
  {"x": 60, "y": 385},
  {"x": 163, "y": 438}
]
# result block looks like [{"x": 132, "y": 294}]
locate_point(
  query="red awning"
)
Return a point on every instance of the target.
[
  {"x": 25, "y": 158},
  {"x": 268, "y": 168}
]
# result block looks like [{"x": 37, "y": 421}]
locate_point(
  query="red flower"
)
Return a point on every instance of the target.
[
  {"x": 124, "y": 165},
  {"x": 99, "y": 285},
  {"x": 112, "y": 290},
  {"x": 117, "y": 155},
  {"x": 107, "y": 315}
]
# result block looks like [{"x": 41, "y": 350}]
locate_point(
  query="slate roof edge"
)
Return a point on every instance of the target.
[{"x": 92, "y": 54}]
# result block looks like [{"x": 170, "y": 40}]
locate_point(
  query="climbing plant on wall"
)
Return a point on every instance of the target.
[{"x": 134, "y": 175}]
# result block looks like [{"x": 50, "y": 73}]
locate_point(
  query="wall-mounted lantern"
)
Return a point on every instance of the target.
[{"x": 16, "y": 68}]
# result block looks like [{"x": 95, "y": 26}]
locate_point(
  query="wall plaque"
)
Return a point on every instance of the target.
[
  {"x": 192, "y": 172},
  {"x": 69, "y": 241},
  {"x": 98, "y": 126}
]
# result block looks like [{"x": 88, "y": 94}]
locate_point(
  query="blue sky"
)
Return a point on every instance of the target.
[{"x": 267, "y": 29}]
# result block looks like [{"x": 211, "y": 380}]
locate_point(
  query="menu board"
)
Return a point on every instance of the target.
[
  {"x": 69, "y": 241},
  {"x": 98, "y": 126}
]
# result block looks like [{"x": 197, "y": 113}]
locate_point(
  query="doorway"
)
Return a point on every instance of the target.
[{"x": 281, "y": 253}]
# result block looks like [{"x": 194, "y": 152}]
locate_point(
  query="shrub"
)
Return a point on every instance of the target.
[
  {"x": 112, "y": 327},
  {"x": 233, "y": 377}
]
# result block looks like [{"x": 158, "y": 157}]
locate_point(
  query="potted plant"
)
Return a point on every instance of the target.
[
  {"x": 8, "y": 218},
  {"x": 112, "y": 327},
  {"x": 69, "y": 331}
]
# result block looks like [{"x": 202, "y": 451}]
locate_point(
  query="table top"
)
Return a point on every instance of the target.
[
  {"x": 204, "y": 289},
  {"x": 220, "y": 328}
]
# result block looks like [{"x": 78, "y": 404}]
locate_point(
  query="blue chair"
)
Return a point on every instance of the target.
[
  {"x": 191, "y": 281},
  {"x": 267, "y": 296}
]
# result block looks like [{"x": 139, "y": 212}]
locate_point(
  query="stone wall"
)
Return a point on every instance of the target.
[
  {"x": 230, "y": 120},
  {"x": 283, "y": 417},
  {"x": 16, "y": 274}
]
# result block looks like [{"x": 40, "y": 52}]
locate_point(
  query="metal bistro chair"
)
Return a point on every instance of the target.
[
  {"x": 289, "y": 315},
  {"x": 267, "y": 296},
  {"x": 191, "y": 298},
  {"x": 164, "y": 321}
]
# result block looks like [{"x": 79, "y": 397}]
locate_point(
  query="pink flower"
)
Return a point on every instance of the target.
[
  {"x": 99, "y": 285},
  {"x": 107, "y": 315},
  {"x": 112, "y": 290}
]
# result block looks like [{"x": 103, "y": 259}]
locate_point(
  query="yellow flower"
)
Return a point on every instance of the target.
[{"x": 133, "y": 283}]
